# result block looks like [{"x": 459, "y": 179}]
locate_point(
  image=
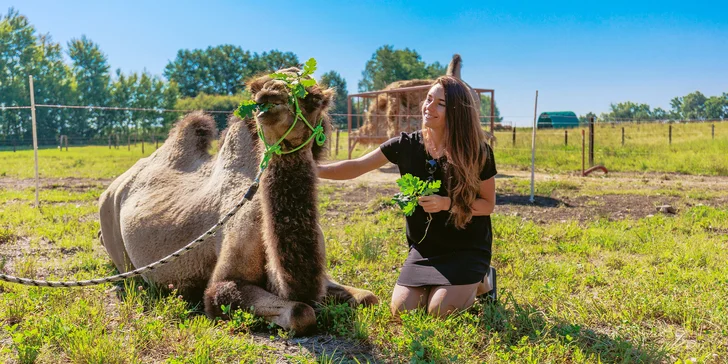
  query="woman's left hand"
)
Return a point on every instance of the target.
[{"x": 434, "y": 203}]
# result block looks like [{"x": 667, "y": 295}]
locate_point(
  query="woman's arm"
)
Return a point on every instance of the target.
[
  {"x": 482, "y": 206},
  {"x": 349, "y": 169},
  {"x": 485, "y": 203}
]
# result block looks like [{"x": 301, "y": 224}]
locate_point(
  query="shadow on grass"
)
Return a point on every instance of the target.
[
  {"x": 514, "y": 322},
  {"x": 524, "y": 200}
]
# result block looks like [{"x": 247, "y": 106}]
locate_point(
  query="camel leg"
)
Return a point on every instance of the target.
[
  {"x": 290, "y": 315},
  {"x": 352, "y": 296}
]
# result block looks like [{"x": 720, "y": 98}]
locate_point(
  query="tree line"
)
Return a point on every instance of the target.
[
  {"x": 207, "y": 79},
  {"x": 692, "y": 107}
]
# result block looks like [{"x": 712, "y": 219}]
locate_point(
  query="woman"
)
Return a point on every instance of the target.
[{"x": 445, "y": 271}]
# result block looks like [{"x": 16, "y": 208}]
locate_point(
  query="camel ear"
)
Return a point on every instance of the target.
[
  {"x": 327, "y": 100},
  {"x": 257, "y": 84}
]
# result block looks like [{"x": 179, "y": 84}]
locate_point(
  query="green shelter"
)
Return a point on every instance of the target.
[{"x": 558, "y": 120}]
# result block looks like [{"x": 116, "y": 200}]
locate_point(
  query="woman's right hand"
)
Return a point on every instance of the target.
[{"x": 353, "y": 168}]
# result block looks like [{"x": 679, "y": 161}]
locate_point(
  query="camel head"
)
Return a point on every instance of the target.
[{"x": 280, "y": 112}]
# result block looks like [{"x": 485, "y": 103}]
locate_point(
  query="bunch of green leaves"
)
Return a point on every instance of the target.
[
  {"x": 411, "y": 188},
  {"x": 297, "y": 83}
]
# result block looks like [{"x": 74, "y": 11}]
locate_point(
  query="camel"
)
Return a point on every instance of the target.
[
  {"x": 392, "y": 113},
  {"x": 270, "y": 257}
]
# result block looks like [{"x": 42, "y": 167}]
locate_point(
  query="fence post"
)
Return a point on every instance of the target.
[
  {"x": 591, "y": 142},
  {"x": 583, "y": 141},
  {"x": 142, "y": 143},
  {"x": 336, "y": 152},
  {"x": 14, "y": 143},
  {"x": 35, "y": 139},
  {"x": 514, "y": 136},
  {"x": 109, "y": 141},
  {"x": 712, "y": 131},
  {"x": 622, "y": 136},
  {"x": 66, "y": 138},
  {"x": 669, "y": 135},
  {"x": 566, "y": 138},
  {"x": 128, "y": 142}
]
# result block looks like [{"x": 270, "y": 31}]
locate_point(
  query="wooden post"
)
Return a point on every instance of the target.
[
  {"x": 533, "y": 149},
  {"x": 156, "y": 142},
  {"x": 712, "y": 131},
  {"x": 66, "y": 138},
  {"x": 128, "y": 142},
  {"x": 109, "y": 141},
  {"x": 348, "y": 121},
  {"x": 583, "y": 142},
  {"x": 14, "y": 143},
  {"x": 669, "y": 134},
  {"x": 622, "y": 136},
  {"x": 566, "y": 138},
  {"x": 142, "y": 143},
  {"x": 116, "y": 142},
  {"x": 35, "y": 139},
  {"x": 591, "y": 142},
  {"x": 492, "y": 111},
  {"x": 336, "y": 152},
  {"x": 514, "y": 136}
]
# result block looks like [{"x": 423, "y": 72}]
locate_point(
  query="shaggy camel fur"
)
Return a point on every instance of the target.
[
  {"x": 392, "y": 113},
  {"x": 270, "y": 256}
]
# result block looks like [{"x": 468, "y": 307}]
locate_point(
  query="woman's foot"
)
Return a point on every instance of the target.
[{"x": 488, "y": 285}]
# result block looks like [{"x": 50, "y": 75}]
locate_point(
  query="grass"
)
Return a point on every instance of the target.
[
  {"x": 633, "y": 290},
  {"x": 646, "y": 149}
]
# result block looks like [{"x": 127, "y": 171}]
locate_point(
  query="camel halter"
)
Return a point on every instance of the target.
[{"x": 275, "y": 148}]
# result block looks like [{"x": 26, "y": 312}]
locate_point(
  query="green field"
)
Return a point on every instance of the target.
[
  {"x": 646, "y": 149},
  {"x": 578, "y": 281}
]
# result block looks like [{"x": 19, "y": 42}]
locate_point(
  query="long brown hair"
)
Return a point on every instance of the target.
[{"x": 466, "y": 148}]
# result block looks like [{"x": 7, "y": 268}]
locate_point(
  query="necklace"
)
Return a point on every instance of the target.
[{"x": 434, "y": 151}]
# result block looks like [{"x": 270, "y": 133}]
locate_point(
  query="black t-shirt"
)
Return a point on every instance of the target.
[{"x": 408, "y": 152}]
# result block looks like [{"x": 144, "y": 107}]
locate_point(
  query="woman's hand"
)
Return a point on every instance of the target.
[{"x": 434, "y": 203}]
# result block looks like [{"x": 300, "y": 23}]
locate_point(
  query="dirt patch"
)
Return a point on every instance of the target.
[
  {"x": 582, "y": 208},
  {"x": 73, "y": 184},
  {"x": 336, "y": 348}
]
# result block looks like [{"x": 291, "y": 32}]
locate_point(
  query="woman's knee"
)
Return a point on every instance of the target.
[
  {"x": 407, "y": 298},
  {"x": 446, "y": 300}
]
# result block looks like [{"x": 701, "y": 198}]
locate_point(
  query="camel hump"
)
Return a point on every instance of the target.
[
  {"x": 453, "y": 69},
  {"x": 196, "y": 130}
]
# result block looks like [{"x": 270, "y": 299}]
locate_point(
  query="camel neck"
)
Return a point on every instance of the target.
[{"x": 294, "y": 245}]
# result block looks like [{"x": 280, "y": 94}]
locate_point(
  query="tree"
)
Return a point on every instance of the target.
[
  {"x": 715, "y": 108},
  {"x": 275, "y": 60},
  {"x": 485, "y": 110},
  {"x": 333, "y": 80},
  {"x": 693, "y": 106},
  {"x": 660, "y": 114},
  {"x": 207, "y": 102},
  {"x": 91, "y": 74},
  {"x": 628, "y": 111},
  {"x": 388, "y": 65},
  {"x": 17, "y": 52},
  {"x": 585, "y": 119},
  {"x": 222, "y": 70}
]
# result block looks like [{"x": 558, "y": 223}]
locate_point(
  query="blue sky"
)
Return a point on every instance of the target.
[{"x": 580, "y": 55}]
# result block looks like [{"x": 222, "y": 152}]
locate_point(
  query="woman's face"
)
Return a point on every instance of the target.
[{"x": 433, "y": 109}]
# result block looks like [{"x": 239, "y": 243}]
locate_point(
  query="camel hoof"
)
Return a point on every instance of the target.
[
  {"x": 301, "y": 320},
  {"x": 367, "y": 299}
]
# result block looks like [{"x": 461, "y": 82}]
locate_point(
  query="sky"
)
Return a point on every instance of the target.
[{"x": 579, "y": 55}]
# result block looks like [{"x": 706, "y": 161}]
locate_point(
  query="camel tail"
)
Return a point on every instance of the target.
[
  {"x": 453, "y": 69},
  {"x": 196, "y": 130}
]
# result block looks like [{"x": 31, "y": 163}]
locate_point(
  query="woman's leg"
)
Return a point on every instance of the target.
[
  {"x": 408, "y": 298},
  {"x": 444, "y": 300}
]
